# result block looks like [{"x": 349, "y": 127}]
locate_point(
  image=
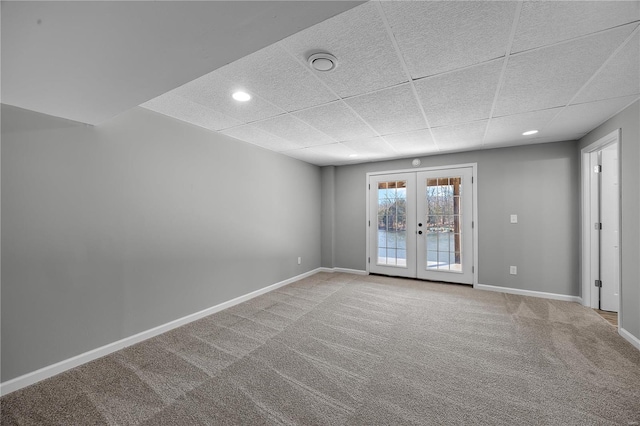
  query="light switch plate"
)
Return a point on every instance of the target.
[
  {"x": 513, "y": 270},
  {"x": 514, "y": 218}
]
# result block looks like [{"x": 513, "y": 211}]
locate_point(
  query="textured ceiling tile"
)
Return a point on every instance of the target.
[
  {"x": 213, "y": 91},
  {"x": 509, "y": 129},
  {"x": 583, "y": 118},
  {"x": 546, "y": 22},
  {"x": 410, "y": 143},
  {"x": 559, "y": 137},
  {"x": 620, "y": 77},
  {"x": 336, "y": 120},
  {"x": 371, "y": 148},
  {"x": 294, "y": 130},
  {"x": 367, "y": 60},
  {"x": 252, "y": 134},
  {"x": 275, "y": 76},
  {"x": 190, "y": 112},
  {"x": 464, "y": 136},
  {"x": 393, "y": 110},
  {"x": 436, "y": 36},
  {"x": 460, "y": 96},
  {"x": 324, "y": 155},
  {"x": 551, "y": 76}
]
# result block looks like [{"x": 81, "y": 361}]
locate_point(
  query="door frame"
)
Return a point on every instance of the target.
[
  {"x": 590, "y": 296},
  {"x": 474, "y": 187}
]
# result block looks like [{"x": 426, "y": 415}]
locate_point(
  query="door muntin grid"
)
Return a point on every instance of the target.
[
  {"x": 443, "y": 224},
  {"x": 391, "y": 223}
]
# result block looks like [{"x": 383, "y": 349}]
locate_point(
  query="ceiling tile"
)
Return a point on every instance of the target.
[
  {"x": 190, "y": 112},
  {"x": 463, "y": 136},
  {"x": 460, "y": 96},
  {"x": 551, "y": 76},
  {"x": 393, "y": 110},
  {"x": 412, "y": 143},
  {"x": 324, "y": 155},
  {"x": 252, "y": 134},
  {"x": 438, "y": 36},
  {"x": 371, "y": 148},
  {"x": 560, "y": 137},
  {"x": 367, "y": 60},
  {"x": 508, "y": 130},
  {"x": 619, "y": 77},
  {"x": 275, "y": 76},
  {"x": 583, "y": 118},
  {"x": 336, "y": 120},
  {"x": 214, "y": 91},
  {"x": 546, "y": 22},
  {"x": 294, "y": 130}
]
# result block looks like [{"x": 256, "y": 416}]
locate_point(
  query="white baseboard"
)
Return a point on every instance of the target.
[
  {"x": 541, "y": 294},
  {"x": 629, "y": 337},
  {"x": 344, "y": 270},
  {"x": 62, "y": 366}
]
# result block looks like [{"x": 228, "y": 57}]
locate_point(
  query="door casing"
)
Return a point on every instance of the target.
[
  {"x": 588, "y": 271},
  {"x": 474, "y": 168}
]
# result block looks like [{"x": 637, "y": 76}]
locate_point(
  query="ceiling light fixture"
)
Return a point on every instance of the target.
[
  {"x": 241, "y": 96},
  {"x": 323, "y": 61},
  {"x": 530, "y": 132},
  {"x": 353, "y": 155}
]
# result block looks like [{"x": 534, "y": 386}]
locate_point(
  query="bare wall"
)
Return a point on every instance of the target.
[
  {"x": 629, "y": 123},
  {"x": 112, "y": 230},
  {"x": 539, "y": 183}
]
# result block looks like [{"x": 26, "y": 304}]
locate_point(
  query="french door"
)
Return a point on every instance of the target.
[{"x": 420, "y": 225}]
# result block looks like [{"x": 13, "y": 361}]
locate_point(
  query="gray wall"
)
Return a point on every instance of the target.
[
  {"x": 112, "y": 230},
  {"x": 328, "y": 216},
  {"x": 629, "y": 121},
  {"x": 539, "y": 183}
]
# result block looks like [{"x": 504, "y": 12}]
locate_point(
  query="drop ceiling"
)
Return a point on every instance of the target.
[
  {"x": 88, "y": 61},
  {"x": 425, "y": 77},
  {"x": 413, "y": 77}
]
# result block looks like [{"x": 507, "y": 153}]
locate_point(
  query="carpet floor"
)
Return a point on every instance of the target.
[{"x": 340, "y": 349}]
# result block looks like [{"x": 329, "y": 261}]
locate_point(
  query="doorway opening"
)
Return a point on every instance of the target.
[
  {"x": 422, "y": 224},
  {"x": 601, "y": 224}
]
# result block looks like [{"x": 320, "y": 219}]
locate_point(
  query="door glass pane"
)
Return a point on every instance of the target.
[
  {"x": 392, "y": 223},
  {"x": 444, "y": 220}
]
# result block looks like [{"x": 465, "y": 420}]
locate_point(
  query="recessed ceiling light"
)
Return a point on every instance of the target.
[
  {"x": 323, "y": 61},
  {"x": 241, "y": 96},
  {"x": 530, "y": 132},
  {"x": 353, "y": 155}
]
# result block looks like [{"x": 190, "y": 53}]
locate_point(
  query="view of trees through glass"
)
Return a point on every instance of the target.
[
  {"x": 443, "y": 223},
  {"x": 392, "y": 223}
]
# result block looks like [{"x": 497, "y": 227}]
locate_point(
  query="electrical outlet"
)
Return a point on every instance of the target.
[
  {"x": 513, "y": 270},
  {"x": 299, "y": 261},
  {"x": 514, "y": 218}
]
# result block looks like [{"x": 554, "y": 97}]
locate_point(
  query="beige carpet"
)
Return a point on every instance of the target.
[{"x": 346, "y": 349}]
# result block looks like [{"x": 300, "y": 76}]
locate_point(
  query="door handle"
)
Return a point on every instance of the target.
[
  {"x": 419, "y": 224},
  {"x": 420, "y": 232}
]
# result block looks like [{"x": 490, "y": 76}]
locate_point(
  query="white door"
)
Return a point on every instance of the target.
[
  {"x": 609, "y": 236},
  {"x": 420, "y": 225},
  {"x": 445, "y": 236},
  {"x": 392, "y": 221}
]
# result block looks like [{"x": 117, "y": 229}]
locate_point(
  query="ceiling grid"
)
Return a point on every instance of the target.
[
  {"x": 512, "y": 36},
  {"x": 420, "y": 78},
  {"x": 405, "y": 69}
]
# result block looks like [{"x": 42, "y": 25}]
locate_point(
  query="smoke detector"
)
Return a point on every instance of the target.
[{"x": 323, "y": 61}]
